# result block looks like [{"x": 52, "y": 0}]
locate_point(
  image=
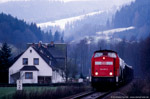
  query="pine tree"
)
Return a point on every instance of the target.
[
  {"x": 56, "y": 36},
  {"x": 50, "y": 35},
  {"x": 62, "y": 40},
  {"x": 5, "y": 55}
]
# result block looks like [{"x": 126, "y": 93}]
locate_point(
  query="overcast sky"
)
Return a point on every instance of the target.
[
  {"x": 42, "y": 11},
  {"x": 116, "y": 1}
]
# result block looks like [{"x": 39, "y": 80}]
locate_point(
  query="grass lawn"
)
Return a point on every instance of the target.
[{"x": 5, "y": 91}]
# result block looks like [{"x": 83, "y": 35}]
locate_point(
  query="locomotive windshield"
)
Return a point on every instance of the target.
[
  {"x": 110, "y": 54},
  {"x": 113, "y": 55},
  {"x": 98, "y": 55}
]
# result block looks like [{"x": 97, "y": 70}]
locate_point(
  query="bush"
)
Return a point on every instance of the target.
[{"x": 139, "y": 88}]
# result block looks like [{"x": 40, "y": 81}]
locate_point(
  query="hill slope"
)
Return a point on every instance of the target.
[
  {"x": 137, "y": 15},
  {"x": 18, "y": 32}
]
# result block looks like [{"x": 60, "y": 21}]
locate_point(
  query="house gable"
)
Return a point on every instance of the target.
[{"x": 30, "y": 54}]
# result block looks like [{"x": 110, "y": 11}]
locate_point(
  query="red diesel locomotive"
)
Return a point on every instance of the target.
[{"x": 108, "y": 68}]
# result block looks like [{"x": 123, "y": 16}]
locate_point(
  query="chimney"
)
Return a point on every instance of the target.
[
  {"x": 33, "y": 45},
  {"x": 45, "y": 45},
  {"x": 40, "y": 43},
  {"x": 51, "y": 43}
]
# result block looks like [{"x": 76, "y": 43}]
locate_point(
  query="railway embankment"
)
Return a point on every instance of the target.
[{"x": 137, "y": 89}]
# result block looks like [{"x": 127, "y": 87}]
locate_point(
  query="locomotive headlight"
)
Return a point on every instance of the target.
[
  {"x": 110, "y": 73},
  {"x": 96, "y": 73},
  {"x": 103, "y": 58}
]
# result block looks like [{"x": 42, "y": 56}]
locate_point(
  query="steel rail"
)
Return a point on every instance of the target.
[
  {"x": 80, "y": 95},
  {"x": 89, "y": 95}
]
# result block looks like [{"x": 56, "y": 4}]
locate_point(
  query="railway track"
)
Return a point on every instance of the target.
[{"x": 89, "y": 95}]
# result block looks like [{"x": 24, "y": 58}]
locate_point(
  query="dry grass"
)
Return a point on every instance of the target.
[
  {"x": 139, "y": 88},
  {"x": 49, "y": 94},
  {"x": 135, "y": 89}
]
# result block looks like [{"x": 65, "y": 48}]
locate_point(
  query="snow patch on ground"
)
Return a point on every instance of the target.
[
  {"x": 108, "y": 34},
  {"x": 62, "y": 23},
  {"x": 112, "y": 31}
]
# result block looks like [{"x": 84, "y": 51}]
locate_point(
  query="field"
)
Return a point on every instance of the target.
[
  {"x": 9, "y": 91},
  {"x": 40, "y": 92}
]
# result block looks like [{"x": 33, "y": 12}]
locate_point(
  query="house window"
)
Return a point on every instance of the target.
[
  {"x": 30, "y": 51},
  {"x": 28, "y": 75},
  {"x": 25, "y": 61},
  {"x": 36, "y": 61}
]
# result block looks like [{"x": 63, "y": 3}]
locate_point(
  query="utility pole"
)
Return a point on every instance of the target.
[{"x": 66, "y": 65}]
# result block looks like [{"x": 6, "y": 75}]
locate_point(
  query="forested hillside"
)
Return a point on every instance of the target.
[
  {"x": 18, "y": 32},
  {"x": 138, "y": 15}
]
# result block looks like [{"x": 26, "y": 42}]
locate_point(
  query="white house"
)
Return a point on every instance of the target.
[{"x": 35, "y": 65}]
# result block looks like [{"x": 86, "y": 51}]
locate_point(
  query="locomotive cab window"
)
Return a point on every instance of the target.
[
  {"x": 98, "y": 55},
  {"x": 109, "y": 54},
  {"x": 113, "y": 55}
]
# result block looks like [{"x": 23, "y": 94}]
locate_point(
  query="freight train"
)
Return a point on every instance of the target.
[{"x": 109, "y": 69}]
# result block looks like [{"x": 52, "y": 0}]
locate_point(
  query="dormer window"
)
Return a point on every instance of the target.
[
  {"x": 36, "y": 61},
  {"x": 25, "y": 61},
  {"x": 30, "y": 51},
  {"x": 41, "y": 51},
  {"x": 49, "y": 62}
]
